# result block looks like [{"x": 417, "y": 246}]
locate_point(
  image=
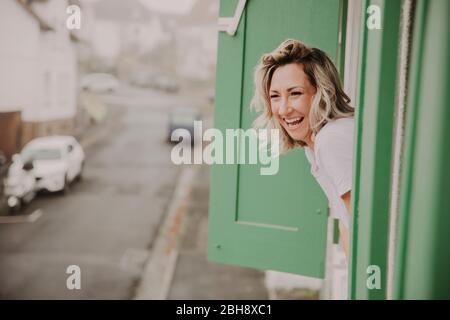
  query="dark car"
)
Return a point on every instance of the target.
[{"x": 182, "y": 118}]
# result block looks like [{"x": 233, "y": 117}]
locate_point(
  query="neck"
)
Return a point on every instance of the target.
[{"x": 309, "y": 140}]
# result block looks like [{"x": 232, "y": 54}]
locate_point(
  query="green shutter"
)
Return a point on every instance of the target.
[
  {"x": 423, "y": 261},
  {"x": 274, "y": 222},
  {"x": 375, "y": 115}
]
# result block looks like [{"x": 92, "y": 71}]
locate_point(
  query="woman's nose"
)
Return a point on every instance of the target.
[{"x": 284, "y": 108}]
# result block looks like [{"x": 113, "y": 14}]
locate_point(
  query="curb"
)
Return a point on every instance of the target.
[{"x": 160, "y": 267}]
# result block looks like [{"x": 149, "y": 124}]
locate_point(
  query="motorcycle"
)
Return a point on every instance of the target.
[{"x": 19, "y": 184}]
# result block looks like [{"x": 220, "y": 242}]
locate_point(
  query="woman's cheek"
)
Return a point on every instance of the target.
[
  {"x": 300, "y": 105},
  {"x": 274, "y": 111},
  {"x": 278, "y": 119},
  {"x": 275, "y": 114}
]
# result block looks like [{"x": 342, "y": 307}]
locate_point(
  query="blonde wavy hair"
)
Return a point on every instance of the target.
[{"x": 330, "y": 101}]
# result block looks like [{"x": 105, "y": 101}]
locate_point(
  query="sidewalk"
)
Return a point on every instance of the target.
[{"x": 178, "y": 267}]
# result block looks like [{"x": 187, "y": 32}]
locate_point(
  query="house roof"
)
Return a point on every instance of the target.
[{"x": 26, "y": 4}]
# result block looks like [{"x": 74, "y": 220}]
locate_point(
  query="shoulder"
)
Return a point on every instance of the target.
[
  {"x": 335, "y": 132},
  {"x": 334, "y": 149},
  {"x": 334, "y": 142}
]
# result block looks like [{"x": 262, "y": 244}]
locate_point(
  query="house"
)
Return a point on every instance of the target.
[
  {"x": 196, "y": 41},
  {"x": 125, "y": 29},
  {"x": 38, "y": 72}
]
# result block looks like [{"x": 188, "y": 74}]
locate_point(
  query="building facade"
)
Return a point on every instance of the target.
[{"x": 38, "y": 78}]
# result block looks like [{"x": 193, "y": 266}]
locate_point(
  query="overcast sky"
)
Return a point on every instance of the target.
[{"x": 169, "y": 6}]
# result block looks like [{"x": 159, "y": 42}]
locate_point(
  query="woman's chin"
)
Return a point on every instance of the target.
[{"x": 297, "y": 136}]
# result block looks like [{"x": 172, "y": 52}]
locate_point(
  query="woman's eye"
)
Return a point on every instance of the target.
[
  {"x": 297, "y": 93},
  {"x": 273, "y": 96}
]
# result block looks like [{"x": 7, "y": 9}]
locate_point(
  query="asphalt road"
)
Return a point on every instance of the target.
[{"x": 106, "y": 224}]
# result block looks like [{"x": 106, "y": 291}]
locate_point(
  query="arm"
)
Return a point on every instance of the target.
[
  {"x": 335, "y": 155},
  {"x": 346, "y": 197}
]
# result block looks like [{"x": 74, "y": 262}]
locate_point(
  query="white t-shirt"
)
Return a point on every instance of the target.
[{"x": 332, "y": 163}]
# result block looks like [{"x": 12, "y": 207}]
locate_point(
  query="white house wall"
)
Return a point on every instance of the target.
[
  {"x": 57, "y": 75},
  {"x": 19, "y": 64},
  {"x": 57, "y": 82}
]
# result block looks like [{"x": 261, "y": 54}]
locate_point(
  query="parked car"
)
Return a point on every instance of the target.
[
  {"x": 99, "y": 82},
  {"x": 57, "y": 161},
  {"x": 182, "y": 118},
  {"x": 19, "y": 184}
]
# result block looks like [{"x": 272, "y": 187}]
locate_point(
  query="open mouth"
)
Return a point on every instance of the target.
[{"x": 293, "y": 121}]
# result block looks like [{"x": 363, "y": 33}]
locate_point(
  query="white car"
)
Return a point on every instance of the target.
[
  {"x": 100, "y": 82},
  {"x": 57, "y": 161}
]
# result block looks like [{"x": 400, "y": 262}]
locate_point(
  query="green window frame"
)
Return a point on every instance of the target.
[
  {"x": 372, "y": 167},
  {"x": 423, "y": 259}
]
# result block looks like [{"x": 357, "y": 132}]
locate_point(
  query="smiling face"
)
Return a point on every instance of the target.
[{"x": 291, "y": 94}]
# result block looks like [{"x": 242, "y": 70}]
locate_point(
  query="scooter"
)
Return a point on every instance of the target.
[
  {"x": 14, "y": 204},
  {"x": 19, "y": 185}
]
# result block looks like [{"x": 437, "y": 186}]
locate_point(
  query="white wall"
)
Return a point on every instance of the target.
[
  {"x": 57, "y": 74},
  {"x": 19, "y": 46},
  {"x": 29, "y": 56}
]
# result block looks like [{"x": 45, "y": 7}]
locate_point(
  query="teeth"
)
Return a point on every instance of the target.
[{"x": 293, "y": 121}]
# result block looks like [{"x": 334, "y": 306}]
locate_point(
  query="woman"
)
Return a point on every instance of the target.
[{"x": 298, "y": 90}]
